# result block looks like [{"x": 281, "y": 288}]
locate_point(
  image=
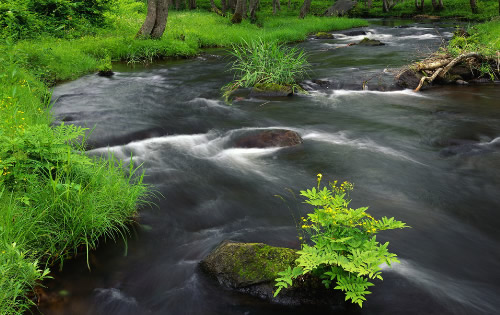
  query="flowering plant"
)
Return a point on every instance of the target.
[{"x": 344, "y": 248}]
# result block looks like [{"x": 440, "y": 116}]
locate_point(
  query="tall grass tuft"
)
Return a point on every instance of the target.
[{"x": 266, "y": 64}]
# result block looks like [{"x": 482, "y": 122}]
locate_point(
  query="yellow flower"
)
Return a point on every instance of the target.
[{"x": 320, "y": 176}]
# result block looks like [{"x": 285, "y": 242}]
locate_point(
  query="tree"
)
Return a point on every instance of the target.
[
  {"x": 437, "y": 5},
  {"x": 421, "y": 6},
  {"x": 305, "y": 9},
  {"x": 156, "y": 19},
  {"x": 473, "y": 6},
  {"x": 276, "y": 6},
  {"x": 253, "y": 10},
  {"x": 192, "y": 4},
  {"x": 238, "y": 13}
]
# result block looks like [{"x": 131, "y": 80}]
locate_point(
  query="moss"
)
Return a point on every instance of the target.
[
  {"x": 273, "y": 87},
  {"x": 260, "y": 262}
]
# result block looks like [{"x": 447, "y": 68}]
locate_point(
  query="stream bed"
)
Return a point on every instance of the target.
[{"x": 430, "y": 159}]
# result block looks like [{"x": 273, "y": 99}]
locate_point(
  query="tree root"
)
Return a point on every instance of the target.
[{"x": 441, "y": 67}]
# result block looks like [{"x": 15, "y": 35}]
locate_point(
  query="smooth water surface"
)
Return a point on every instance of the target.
[{"x": 431, "y": 159}]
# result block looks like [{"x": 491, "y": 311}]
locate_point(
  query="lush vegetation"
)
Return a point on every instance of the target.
[
  {"x": 269, "y": 65},
  {"x": 452, "y": 9},
  {"x": 482, "y": 38},
  {"x": 344, "y": 253},
  {"x": 55, "y": 201}
]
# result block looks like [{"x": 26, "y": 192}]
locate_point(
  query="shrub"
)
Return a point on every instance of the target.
[
  {"x": 266, "y": 63},
  {"x": 344, "y": 248}
]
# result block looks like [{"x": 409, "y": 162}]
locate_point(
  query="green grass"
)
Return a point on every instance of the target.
[
  {"x": 483, "y": 38},
  {"x": 452, "y": 9},
  {"x": 267, "y": 64}
]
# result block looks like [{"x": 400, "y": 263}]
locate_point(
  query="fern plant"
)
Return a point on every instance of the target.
[{"x": 344, "y": 251}]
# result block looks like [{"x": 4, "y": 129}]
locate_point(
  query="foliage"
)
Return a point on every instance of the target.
[
  {"x": 54, "y": 199},
  {"x": 481, "y": 38},
  {"x": 452, "y": 9},
  {"x": 345, "y": 253},
  {"x": 17, "y": 276},
  {"x": 266, "y": 63},
  {"x": 20, "y": 19}
]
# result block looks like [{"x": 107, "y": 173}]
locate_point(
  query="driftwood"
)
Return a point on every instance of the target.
[{"x": 441, "y": 67}]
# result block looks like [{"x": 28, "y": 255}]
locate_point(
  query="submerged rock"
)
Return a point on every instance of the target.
[
  {"x": 270, "y": 138},
  {"x": 105, "y": 73},
  {"x": 252, "y": 268},
  {"x": 271, "y": 90},
  {"x": 323, "y": 35},
  {"x": 355, "y": 33},
  {"x": 370, "y": 42}
]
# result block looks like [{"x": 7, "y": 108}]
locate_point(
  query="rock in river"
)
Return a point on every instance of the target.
[
  {"x": 252, "y": 268},
  {"x": 270, "y": 138},
  {"x": 370, "y": 42}
]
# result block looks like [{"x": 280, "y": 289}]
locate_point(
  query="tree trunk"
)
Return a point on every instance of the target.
[
  {"x": 369, "y": 4},
  {"x": 245, "y": 12},
  {"x": 156, "y": 19},
  {"x": 238, "y": 13},
  {"x": 437, "y": 5},
  {"x": 253, "y": 10},
  {"x": 473, "y": 6},
  {"x": 419, "y": 7},
  {"x": 385, "y": 6},
  {"x": 305, "y": 9},
  {"x": 231, "y": 4},
  {"x": 276, "y": 6},
  {"x": 216, "y": 9},
  {"x": 192, "y": 4},
  {"x": 224, "y": 6},
  {"x": 290, "y": 4},
  {"x": 177, "y": 4}
]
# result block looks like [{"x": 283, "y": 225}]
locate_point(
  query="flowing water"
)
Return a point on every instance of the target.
[{"x": 430, "y": 159}]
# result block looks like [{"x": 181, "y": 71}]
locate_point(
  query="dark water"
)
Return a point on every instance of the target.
[{"x": 430, "y": 159}]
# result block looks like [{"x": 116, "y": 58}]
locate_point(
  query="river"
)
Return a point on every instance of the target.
[{"x": 430, "y": 159}]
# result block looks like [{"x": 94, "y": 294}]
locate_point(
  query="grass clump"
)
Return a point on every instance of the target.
[{"x": 266, "y": 64}]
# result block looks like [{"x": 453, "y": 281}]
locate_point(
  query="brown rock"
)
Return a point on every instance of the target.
[{"x": 270, "y": 138}]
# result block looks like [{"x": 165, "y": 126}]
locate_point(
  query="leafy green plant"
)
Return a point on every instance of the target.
[
  {"x": 266, "y": 63},
  {"x": 344, "y": 253},
  {"x": 18, "y": 275}
]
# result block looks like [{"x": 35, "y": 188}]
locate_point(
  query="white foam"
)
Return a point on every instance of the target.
[
  {"x": 341, "y": 138},
  {"x": 465, "y": 292}
]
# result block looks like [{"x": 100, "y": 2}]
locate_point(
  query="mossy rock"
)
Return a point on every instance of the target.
[
  {"x": 370, "y": 42},
  {"x": 271, "y": 90},
  {"x": 252, "y": 268},
  {"x": 237, "y": 265},
  {"x": 323, "y": 35}
]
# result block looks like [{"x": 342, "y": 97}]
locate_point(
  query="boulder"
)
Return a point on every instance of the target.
[
  {"x": 271, "y": 90},
  {"x": 105, "y": 73},
  {"x": 355, "y": 33},
  {"x": 370, "y": 42},
  {"x": 408, "y": 79},
  {"x": 252, "y": 268},
  {"x": 340, "y": 8},
  {"x": 270, "y": 138}
]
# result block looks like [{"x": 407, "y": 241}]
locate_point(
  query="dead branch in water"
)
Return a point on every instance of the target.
[{"x": 440, "y": 70}]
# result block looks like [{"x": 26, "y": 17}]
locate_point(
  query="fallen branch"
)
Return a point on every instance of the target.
[
  {"x": 442, "y": 71},
  {"x": 430, "y": 79}
]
